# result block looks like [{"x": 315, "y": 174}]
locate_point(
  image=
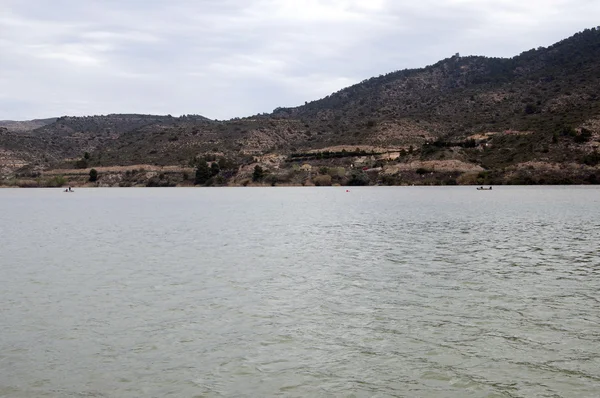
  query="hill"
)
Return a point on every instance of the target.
[
  {"x": 533, "y": 118},
  {"x": 24, "y": 126}
]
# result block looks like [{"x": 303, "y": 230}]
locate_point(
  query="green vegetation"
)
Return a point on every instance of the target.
[
  {"x": 539, "y": 108},
  {"x": 93, "y": 175},
  {"x": 358, "y": 179},
  {"x": 258, "y": 173},
  {"x": 214, "y": 169},
  {"x": 322, "y": 180},
  {"x": 203, "y": 173},
  {"x": 57, "y": 181},
  {"x": 328, "y": 155}
]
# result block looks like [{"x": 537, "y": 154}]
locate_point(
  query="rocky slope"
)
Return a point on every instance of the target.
[{"x": 533, "y": 118}]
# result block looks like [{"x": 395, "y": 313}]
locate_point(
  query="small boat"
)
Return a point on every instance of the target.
[{"x": 484, "y": 189}]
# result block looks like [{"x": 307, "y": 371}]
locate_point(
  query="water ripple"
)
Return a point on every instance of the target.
[{"x": 379, "y": 292}]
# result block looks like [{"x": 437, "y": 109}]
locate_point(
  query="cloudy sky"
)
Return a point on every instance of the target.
[{"x": 228, "y": 58}]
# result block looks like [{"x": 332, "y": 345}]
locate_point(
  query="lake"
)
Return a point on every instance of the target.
[{"x": 252, "y": 292}]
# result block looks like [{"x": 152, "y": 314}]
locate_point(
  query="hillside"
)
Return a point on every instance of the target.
[
  {"x": 24, "y": 126},
  {"x": 533, "y": 118}
]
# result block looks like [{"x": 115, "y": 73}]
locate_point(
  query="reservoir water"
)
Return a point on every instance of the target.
[{"x": 300, "y": 292}]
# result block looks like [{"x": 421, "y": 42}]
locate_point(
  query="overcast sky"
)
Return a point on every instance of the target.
[{"x": 228, "y": 58}]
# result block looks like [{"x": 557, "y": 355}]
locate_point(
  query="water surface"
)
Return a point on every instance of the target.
[{"x": 249, "y": 292}]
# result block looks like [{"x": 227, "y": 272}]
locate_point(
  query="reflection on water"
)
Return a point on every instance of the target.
[{"x": 417, "y": 292}]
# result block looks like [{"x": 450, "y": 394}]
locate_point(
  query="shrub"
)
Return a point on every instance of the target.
[
  {"x": 470, "y": 143},
  {"x": 258, "y": 173},
  {"x": 336, "y": 172},
  {"x": 219, "y": 180},
  {"x": 530, "y": 109},
  {"x": 357, "y": 179},
  {"x": 203, "y": 173},
  {"x": 93, "y": 175},
  {"x": 388, "y": 179},
  {"x": 468, "y": 178},
  {"x": 322, "y": 180},
  {"x": 592, "y": 159},
  {"x": 214, "y": 169},
  {"x": 81, "y": 164},
  {"x": 56, "y": 181},
  {"x": 583, "y": 137}
]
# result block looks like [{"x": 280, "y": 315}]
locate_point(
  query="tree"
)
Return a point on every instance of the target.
[
  {"x": 258, "y": 173},
  {"x": 203, "y": 173},
  {"x": 93, "y": 175},
  {"x": 86, "y": 156},
  {"x": 358, "y": 178},
  {"x": 214, "y": 169}
]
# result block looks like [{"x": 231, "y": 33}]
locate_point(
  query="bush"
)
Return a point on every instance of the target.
[
  {"x": 358, "y": 179},
  {"x": 530, "y": 109},
  {"x": 468, "y": 178},
  {"x": 470, "y": 143},
  {"x": 203, "y": 173},
  {"x": 258, "y": 173},
  {"x": 214, "y": 169},
  {"x": 56, "y": 181},
  {"x": 336, "y": 172},
  {"x": 81, "y": 164},
  {"x": 93, "y": 175},
  {"x": 219, "y": 180},
  {"x": 592, "y": 159},
  {"x": 322, "y": 180},
  {"x": 583, "y": 137},
  {"x": 388, "y": 179}
]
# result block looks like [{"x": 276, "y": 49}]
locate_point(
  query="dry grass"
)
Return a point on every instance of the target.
[
  {"x": 352, "y": 148},
  {"x": 435, "y": 165},
  {"x": 122, "y": 169}
]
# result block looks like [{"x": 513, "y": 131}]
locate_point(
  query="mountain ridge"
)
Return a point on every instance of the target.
[{"x": 537, "y": 108}]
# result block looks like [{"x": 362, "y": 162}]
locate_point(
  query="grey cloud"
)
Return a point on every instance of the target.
[{"x": 227, "y": 58}]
